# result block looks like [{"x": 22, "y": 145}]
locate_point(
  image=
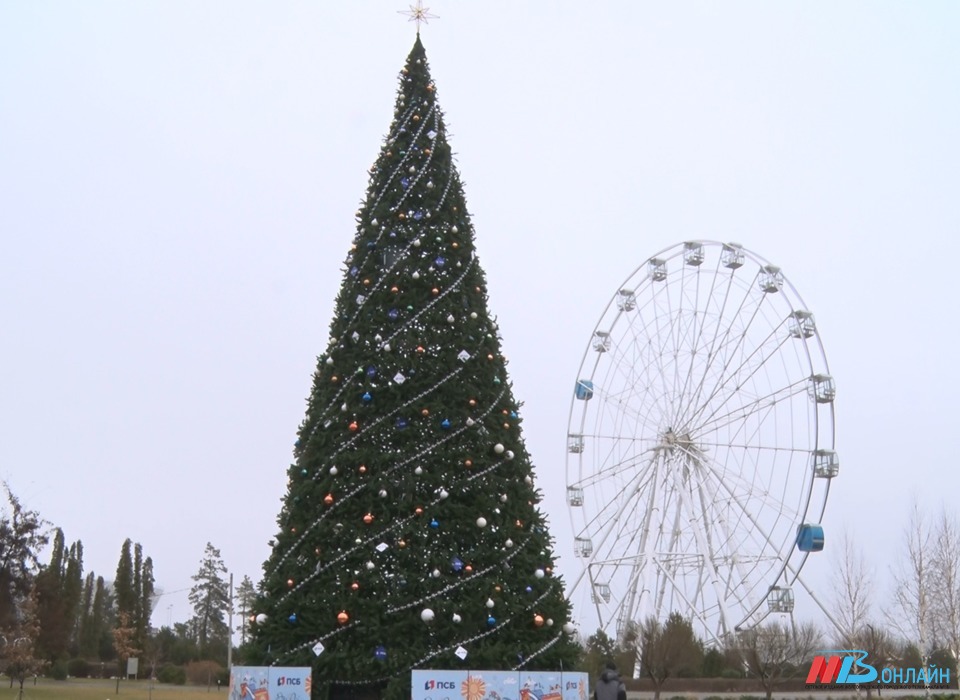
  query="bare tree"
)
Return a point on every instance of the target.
[
  {"x": 775, "y": 651},
  {"x": 945, "y": 582},
  {"x": 913, "y": 581},
  {"x": 853, "y": 591},
  {"x": 668, "y": 649},
  {"x": 880, "y": 648}
]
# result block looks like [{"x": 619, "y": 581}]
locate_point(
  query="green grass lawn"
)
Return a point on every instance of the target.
[{"x": 77, "y": 689}]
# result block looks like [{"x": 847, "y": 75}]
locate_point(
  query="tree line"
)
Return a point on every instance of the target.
[{"x": 55, "y": 618}]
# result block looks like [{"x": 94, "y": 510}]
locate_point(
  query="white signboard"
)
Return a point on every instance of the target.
[{"x": 498, "y": 685}]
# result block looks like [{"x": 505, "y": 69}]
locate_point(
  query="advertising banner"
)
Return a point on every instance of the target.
[
  {"x": 269, "y": 683},
  {"x": 498, "y": 685}
]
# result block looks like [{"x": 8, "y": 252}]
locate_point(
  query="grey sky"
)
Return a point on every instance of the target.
[{"x": 178, "y": 182}]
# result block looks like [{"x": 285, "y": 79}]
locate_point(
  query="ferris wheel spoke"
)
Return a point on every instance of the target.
[
  {"x": 716, "y": 420},
  {"x": 724, "y": 338},
  {"x": 752, "y": 363}
]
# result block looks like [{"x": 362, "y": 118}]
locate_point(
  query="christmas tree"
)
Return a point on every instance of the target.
[{"x": 410, "y": 534}]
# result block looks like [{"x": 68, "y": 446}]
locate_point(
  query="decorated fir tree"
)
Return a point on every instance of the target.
[{"x": 410, "y": 535}]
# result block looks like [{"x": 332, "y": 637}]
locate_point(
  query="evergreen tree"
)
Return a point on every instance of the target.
[
  {"x": 210, "y": 598},
  {"x": 22, "y": 536},
  {"x": 145, "y": 607},
  {"x": 246, "y": 596},
  {"x": 123, "y": 590},
  {"x": 410, "y": 535}
]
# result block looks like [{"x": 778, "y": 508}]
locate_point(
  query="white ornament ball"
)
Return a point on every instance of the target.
[
  {"x": 457, "y": 618},
  {"x": 490, "y": 603},
  {"x": 427, "y": 615},
  {"x": 261, "y": 618},
  {"x": 510, "y": 454},
  {"x": 371, "y": 566},
  {"x": 539, "y": 573},
  {"x": 443, "y": 493},
  {"x": 374, "y": 222},
  {"x": 454, "y": 229},
  {"x": 528, "y": 480},
  {"x": 470, "y": 422},
  {"x": 415, "y": 275},
  {"x": 450, "y": 318},
  {"x": 498, "y": 448},
  {"x": 430, "y": 184},
  {"x": 473, "y": 314},
  {"x": 481, "y": 522},
  {"x": 549, "y": 622},
  {"x": 508, "y": 544},
  {"x": 383, "y": 493},
  {"x": 416, "y": 242},
  {"x": 329, "y": 360},
  {"x": 569, "y": 628},
  {"x": 435, "y": 573},
  {"x": 343, "y": 408},
  {"x": 503, "y": 498},
  {"x": 333, "y": 471},
  {"x": 378, "y": 337},
  {"x": 386, "y": 347},
  {"x": 418, "y": 471},
  {"x": 412, "y": 169}
]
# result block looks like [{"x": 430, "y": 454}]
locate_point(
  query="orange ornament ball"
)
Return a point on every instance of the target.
[
  {"x": 472, "y": 402},
  {"x": 290, "y": 582},
  {"x": 455, "y": 245},
  {"x": 394, "y": 290},
  {"x": 328, "y": 499},
  {"x": 420, "y": 349},
  {"x": 362, "y": 469},
  {"x": 366, "y": 283},
  {"x": 425, "y": 412},
  {"x": 354, "y": 586},
  {"x": 353, "y": 426},
  {"x": 334, "y": 379},
  {"x": 343, "y": 618},
  {"x": 435, "y": 291},
  {"x": 468, "y": 462},
  {"x": 416, "y": 117},
  {"x": 538, "y": 620},
  {"x": 468, "y": 569},
  {"x": 402, "y": 544},
  {"x": 418, "y": 510},
  {"x": 368, "y": 518}
]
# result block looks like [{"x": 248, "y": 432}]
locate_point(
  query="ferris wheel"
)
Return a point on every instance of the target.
[{"x": 700, "y": 444}]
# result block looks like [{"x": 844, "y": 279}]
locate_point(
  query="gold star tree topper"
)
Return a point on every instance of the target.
[{"x": 418, "y": 13}]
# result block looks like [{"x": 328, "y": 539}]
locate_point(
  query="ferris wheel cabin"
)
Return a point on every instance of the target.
[
  {"x": 810, "y": 538},
  {"x": 584, "y": 390}
]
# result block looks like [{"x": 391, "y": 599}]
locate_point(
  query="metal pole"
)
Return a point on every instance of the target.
[{"x": 230, "y": 628}]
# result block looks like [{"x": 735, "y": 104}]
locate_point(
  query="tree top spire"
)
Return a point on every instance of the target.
[{"x": 418, "y": 13}]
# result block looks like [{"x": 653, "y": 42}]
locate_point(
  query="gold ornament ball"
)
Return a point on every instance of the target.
[
  {"x": 435, "y": 291},
  {"x": 290, "y": 582},
  {"x": 402, "y": 544},
  {"x": 418, "y": 510},
  {"x": 425, "y": 412},
  {"x": 416, "y": 117},
  {"x": 334, "y": 379},
  {"x": 468, "y": 462},
  {"x": 472, "y": 402},
  {"x": 366, "y": 283}
]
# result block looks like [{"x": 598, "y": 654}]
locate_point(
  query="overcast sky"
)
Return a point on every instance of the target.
[{"x": 178, "y": 182}]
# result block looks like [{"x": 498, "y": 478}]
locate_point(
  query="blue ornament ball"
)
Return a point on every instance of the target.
[
  {"x": 440, "y": 261},
  {"x": 457, "y": 564},
  {"x": 380, "y": 653},
  {"x": 401, "y": 423},
  {"x": 371, "y": 371},
  {"x": 367, "y": 397},
  {"x": 491, "y": 621},
  {"x": 292, "y": 619},
  {"x": 445, "y": 424},
  {"x": 434, "y": 524},
  {"x": 417, "y": 215},
  {"x": 393, "y": 314}
]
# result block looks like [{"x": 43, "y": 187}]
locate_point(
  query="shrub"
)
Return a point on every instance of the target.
[
  {"x": 170, "y": 673},
  {"x": 78, "y": 668},
  {"x": 58, "y": 671},
  {"x": 203, "y": 672}
]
